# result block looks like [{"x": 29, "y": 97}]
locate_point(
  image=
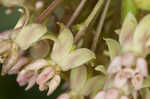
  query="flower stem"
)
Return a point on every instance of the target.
[
  {"x": 77, "y": 12},
  {"x": 50, "y": 8},
  {"x": 88, "y": 20},
  {"x": 100, "y": 26}
]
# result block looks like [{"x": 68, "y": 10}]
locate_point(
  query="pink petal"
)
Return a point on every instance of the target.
[
  {"x": 64, "y": 96},
  {"x": 45, "y": 75},
  {"x": 120, "y": 80},
  {"x": 137, "y": 81},
  {"x": 100, "y": 95},
  {"x": 141, "y": 66},
  {"x": 115, "y": 65},
  {"x": 31, "y": 82},
  {"x": 128, "y": 72},
  {"x": 128, "y": 59},
  {"x": 53, "y": 84},
  {"x": 20, "y": 63},
  {"x": 112, "y": 94},
  {"x": 23, "y": 77}
]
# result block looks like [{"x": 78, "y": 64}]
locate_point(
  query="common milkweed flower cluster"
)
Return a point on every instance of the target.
[{"x": 38, "y": 56}]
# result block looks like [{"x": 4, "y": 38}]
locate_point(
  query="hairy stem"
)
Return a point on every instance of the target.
[
  {"x": 50, "y": 8},
  {"x": 88, "y": 20},
  {"x": 100, "y": 26},
  {"x": 77, "y": 12}
]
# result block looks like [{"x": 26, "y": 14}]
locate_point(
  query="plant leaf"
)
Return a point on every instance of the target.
[
  {"x": 78, "y": 78},
  {"x": 92, "y": 84},
  {"x": 63, "y": 45},
  {"x": 114, "y": 48},
  {"x": 76, "y": 58},
  {"x": 29, "y": 35}
]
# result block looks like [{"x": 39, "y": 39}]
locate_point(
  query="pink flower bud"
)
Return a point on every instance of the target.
[
  {"x": 45, "y": 75},
  {"x": 100, "y": 95},
  {"x": 112, "y": 94},
  {"x": 124, "y": 97},
  {"x": 115, "y": 65},
  {"x": 120, "y": 80},
  {"x": 128, "y": 59},
  {"x": 53, "y": 84},
  {"x": 64, "y": 96},
  {"x": 137, "y": 81},
  {"x": 141, "y": 67}
]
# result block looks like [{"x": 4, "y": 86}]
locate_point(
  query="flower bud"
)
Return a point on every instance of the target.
[
  {"x": 4, "y": 46},
  {"x": 115, "y": 65},
  {"x": 141, "y": 66},
  {"x": 112, "y": 94},
  {"x": 31, "y": 82}
]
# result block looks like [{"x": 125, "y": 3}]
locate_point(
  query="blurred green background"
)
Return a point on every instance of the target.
[{"x": 9, "y": 88}]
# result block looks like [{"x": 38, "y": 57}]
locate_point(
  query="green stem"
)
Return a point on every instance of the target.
[
  {"x": 100, "y": 26},
  {"x": 88, "y": 20},
  {"x": 77, "y": 12}
]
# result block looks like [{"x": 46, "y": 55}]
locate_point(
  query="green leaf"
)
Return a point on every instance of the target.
[
  {"x": 63, "y": 45},
  {"x": 92, "y": 84},
  {"x": 30, "y": 34},
  {"x": 145, "y": 93},
  {"x": 78, "y": 77},
  {"x": 76, "y": 58},
  {"x": 114, "y": 47}
]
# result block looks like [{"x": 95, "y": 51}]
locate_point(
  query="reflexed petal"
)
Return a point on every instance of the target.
[
  {"x": 30, "y": 34},
  {"x": 76, "y": 58},
  {"x": 64, "y": 96},
  {"x": 142, "y": 34},
  {"x": 63, "y": 45},
  {"x": 37, "y": 64},
  {"x": 127, "y": 29},
  {"x": 45, "y": 75},
  {"x": 78, "y": 77},
  {"x": 10, "y": 3},
  {"x": 4, "y": 46},
  {"x": 112, "y": 94},
  {"x": 23, "y": 77},
  {"x": 128, "y": 72},
  {"x": 115, "y": 65},
  {"x": 10, "y": 61},
  {"x": 31, "y": 82},
  {"x": 128, "y": 59},
  {"x": 20, "y": 63},
  {"x": 141, "y": 66},
  {"x": 53, "y": 84},
  {"x": 120, "y": 80},
  {"x": 100, "y": 95},
  {"x": 137, "y": 81}
]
